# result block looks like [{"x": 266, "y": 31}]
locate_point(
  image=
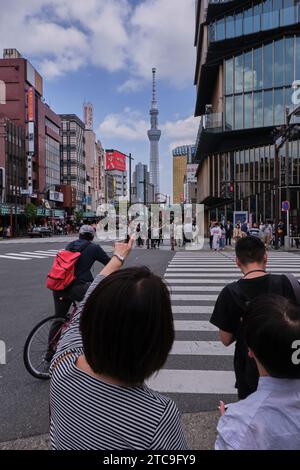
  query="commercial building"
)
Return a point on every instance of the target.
[
  {"x": 248, "y": 59},
  {"x": 182, "y": 157},
  {"x": 101, "y": 156},
  {"x": 117, "y": 175},
  {"x": 25, "y": 115},
  {"x": 142, "y": 189},
  {"x": 73, "y": 162}
]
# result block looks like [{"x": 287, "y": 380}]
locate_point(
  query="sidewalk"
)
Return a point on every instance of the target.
[{"x": 199, "y": 429}]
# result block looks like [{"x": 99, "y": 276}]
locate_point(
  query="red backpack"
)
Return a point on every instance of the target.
[{"x": 62, "y": 273}]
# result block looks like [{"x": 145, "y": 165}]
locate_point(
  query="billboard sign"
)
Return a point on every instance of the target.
[
  {"x": 115, "y": 160},
  {"x": 191, "y": 173},
  {"x": 56, "y": 196},
  {"x": 240, "y": 217},
  {"x": 31, "y": 104}
]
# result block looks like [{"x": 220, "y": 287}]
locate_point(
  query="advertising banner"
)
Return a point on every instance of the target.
[{"x": 115, "y": 160}]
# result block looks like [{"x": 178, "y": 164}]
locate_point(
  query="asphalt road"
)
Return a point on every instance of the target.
[{"x": 24, "y": 302}]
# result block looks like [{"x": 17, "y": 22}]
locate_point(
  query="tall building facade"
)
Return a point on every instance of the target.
[
  {"x": 100, "y": 155},
  {"x": 154, "y": 135},
  {"x": 182, "y": 157},
  {"x": 142, "y": 189},
  {"x": 248, "y": 59},
  {"x": 27, "y": 116},
  {"x": 73, "y": 164}
]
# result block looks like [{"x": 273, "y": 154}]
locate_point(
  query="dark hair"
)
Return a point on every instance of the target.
[
  {"x": 127, "y": 325},
  {"x": 272, "y": 324},
  {"x": 86, "y": 236},
  {"x": 250, "y": 250}
]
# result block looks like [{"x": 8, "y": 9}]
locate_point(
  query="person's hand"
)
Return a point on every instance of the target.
[
  {"x": 222, "y": 408},
  {"x": 123, "y": 249}
]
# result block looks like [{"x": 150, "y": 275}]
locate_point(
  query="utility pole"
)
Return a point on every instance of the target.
[{"x": 283, "y": 136}]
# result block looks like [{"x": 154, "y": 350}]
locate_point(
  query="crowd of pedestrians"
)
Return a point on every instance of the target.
[{"x": 221, "y": 234}]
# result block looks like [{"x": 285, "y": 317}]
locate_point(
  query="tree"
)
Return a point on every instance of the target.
[
  {"x": 30, "y": 211},
  {"x": 78, "y": 216}
]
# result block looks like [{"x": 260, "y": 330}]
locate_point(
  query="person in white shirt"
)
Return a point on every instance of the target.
[
  {"x": 268, "y": 419},
  {"x": 216, "y": 233}
]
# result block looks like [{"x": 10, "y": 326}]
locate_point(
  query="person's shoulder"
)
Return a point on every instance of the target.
[{"x": 157, "y": 399}]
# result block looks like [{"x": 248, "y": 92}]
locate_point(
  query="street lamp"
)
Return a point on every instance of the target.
[{"x": 282, "y": 137}]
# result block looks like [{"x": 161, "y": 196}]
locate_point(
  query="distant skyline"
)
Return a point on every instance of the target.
[{"x": 103, "y": 52}]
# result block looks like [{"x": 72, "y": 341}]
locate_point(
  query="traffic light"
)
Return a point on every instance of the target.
[{"x": 231, "y": 188}]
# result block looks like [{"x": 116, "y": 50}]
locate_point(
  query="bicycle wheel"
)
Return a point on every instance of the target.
[{"x": 38, "y": 346}]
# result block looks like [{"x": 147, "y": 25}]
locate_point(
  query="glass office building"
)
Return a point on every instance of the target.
[{"x": 248, "y": 65}]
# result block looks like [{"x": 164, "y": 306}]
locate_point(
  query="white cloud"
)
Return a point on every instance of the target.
[
  {"x": 162, "y": 36},
  {"x": 126, "y": 126},
  {"x": 64, "y": 35},
  {"x": 130, "y": 125}
]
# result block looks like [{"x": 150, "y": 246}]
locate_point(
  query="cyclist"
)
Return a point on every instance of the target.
[{"x": 90, "y": 252}]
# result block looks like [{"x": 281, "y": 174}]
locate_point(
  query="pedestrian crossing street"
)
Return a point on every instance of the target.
[{"x": 199, "y": 370}]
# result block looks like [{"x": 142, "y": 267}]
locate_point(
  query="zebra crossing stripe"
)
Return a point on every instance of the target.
[
  {"x": 33, "y": 255},
  {"x": 187, "y": 298},
  {"x": 45, "y": 253},
  {"x": 193, "y": 381},
  {"x": 174, "y": 281},
  {"x": 201, "y": 348},
  {"x": 202, "y": 275},
  {"x": 204, "y": 309},
  {"x": 196, "y": 288},
  {"x": 14, "y": 257},
  {"x": 194, "y": 326}
]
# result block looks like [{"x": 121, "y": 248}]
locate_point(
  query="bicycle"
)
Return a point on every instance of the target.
[{"x": 37, "y": 361}]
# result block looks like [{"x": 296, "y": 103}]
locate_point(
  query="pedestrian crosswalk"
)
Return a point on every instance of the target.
[
  {"x": 34, "y": 255},
  {"x": 29, "y": 255},
  {"x": 199, "y": 370}
]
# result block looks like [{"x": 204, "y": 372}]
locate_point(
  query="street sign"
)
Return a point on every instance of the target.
[
  {"x": 285, "y": 206},
  {"x": 24, "y": 191}
]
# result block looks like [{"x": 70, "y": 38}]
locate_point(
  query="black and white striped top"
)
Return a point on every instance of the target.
[{"x": 87, "y": 413}]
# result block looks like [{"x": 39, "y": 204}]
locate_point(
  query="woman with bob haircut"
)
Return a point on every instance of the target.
[{"x": 121, "y": 334}]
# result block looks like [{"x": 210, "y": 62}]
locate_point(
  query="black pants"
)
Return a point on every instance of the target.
[
  {"x": 210, "y": 242},
  {"x": 228, "y": 239}
]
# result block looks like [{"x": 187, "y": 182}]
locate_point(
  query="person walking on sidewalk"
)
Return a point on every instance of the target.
[
  {"x": 121, "y": 335},
  {"x": 229, "y": 232},
  {"x": 231, "y": 306}
]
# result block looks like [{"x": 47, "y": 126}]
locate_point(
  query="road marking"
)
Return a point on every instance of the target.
[
  {"x": 192, "y": 309},
  {"x": 32, "y": 255},
  {"x": 201, "y": 348},
  {"x": 46, "y": 253},
  {"x": 196, "y": 288},
  {"x": 14, "y": 257},
  {"x": 194, "y": 326},
  {"x": 223, "y": 270},
  {"x": 193, "y": 381},
  {"x": 190, "y": 298},
  {"x": 202, "y": 275},
  {"x": 171, "y": 282}
]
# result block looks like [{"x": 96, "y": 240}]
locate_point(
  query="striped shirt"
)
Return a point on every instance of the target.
[{"x": 87, "y": 413}]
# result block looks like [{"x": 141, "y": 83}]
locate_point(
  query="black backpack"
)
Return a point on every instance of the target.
[{"x": 245, "y": 367}]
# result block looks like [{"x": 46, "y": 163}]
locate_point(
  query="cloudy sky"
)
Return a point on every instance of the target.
[{"x": 103, "y": 51}]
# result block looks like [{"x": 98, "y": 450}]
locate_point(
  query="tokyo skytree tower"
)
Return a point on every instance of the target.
[{"x": 154, "y": 135}]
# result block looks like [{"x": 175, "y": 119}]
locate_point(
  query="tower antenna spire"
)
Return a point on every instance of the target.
[{"x": 154, "y": 86}]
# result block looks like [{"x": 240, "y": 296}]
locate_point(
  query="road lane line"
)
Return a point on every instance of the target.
[{"x": 193, "y": 381}]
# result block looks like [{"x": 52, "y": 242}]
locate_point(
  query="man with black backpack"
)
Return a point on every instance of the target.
[{"x": 231, "y": 306}]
